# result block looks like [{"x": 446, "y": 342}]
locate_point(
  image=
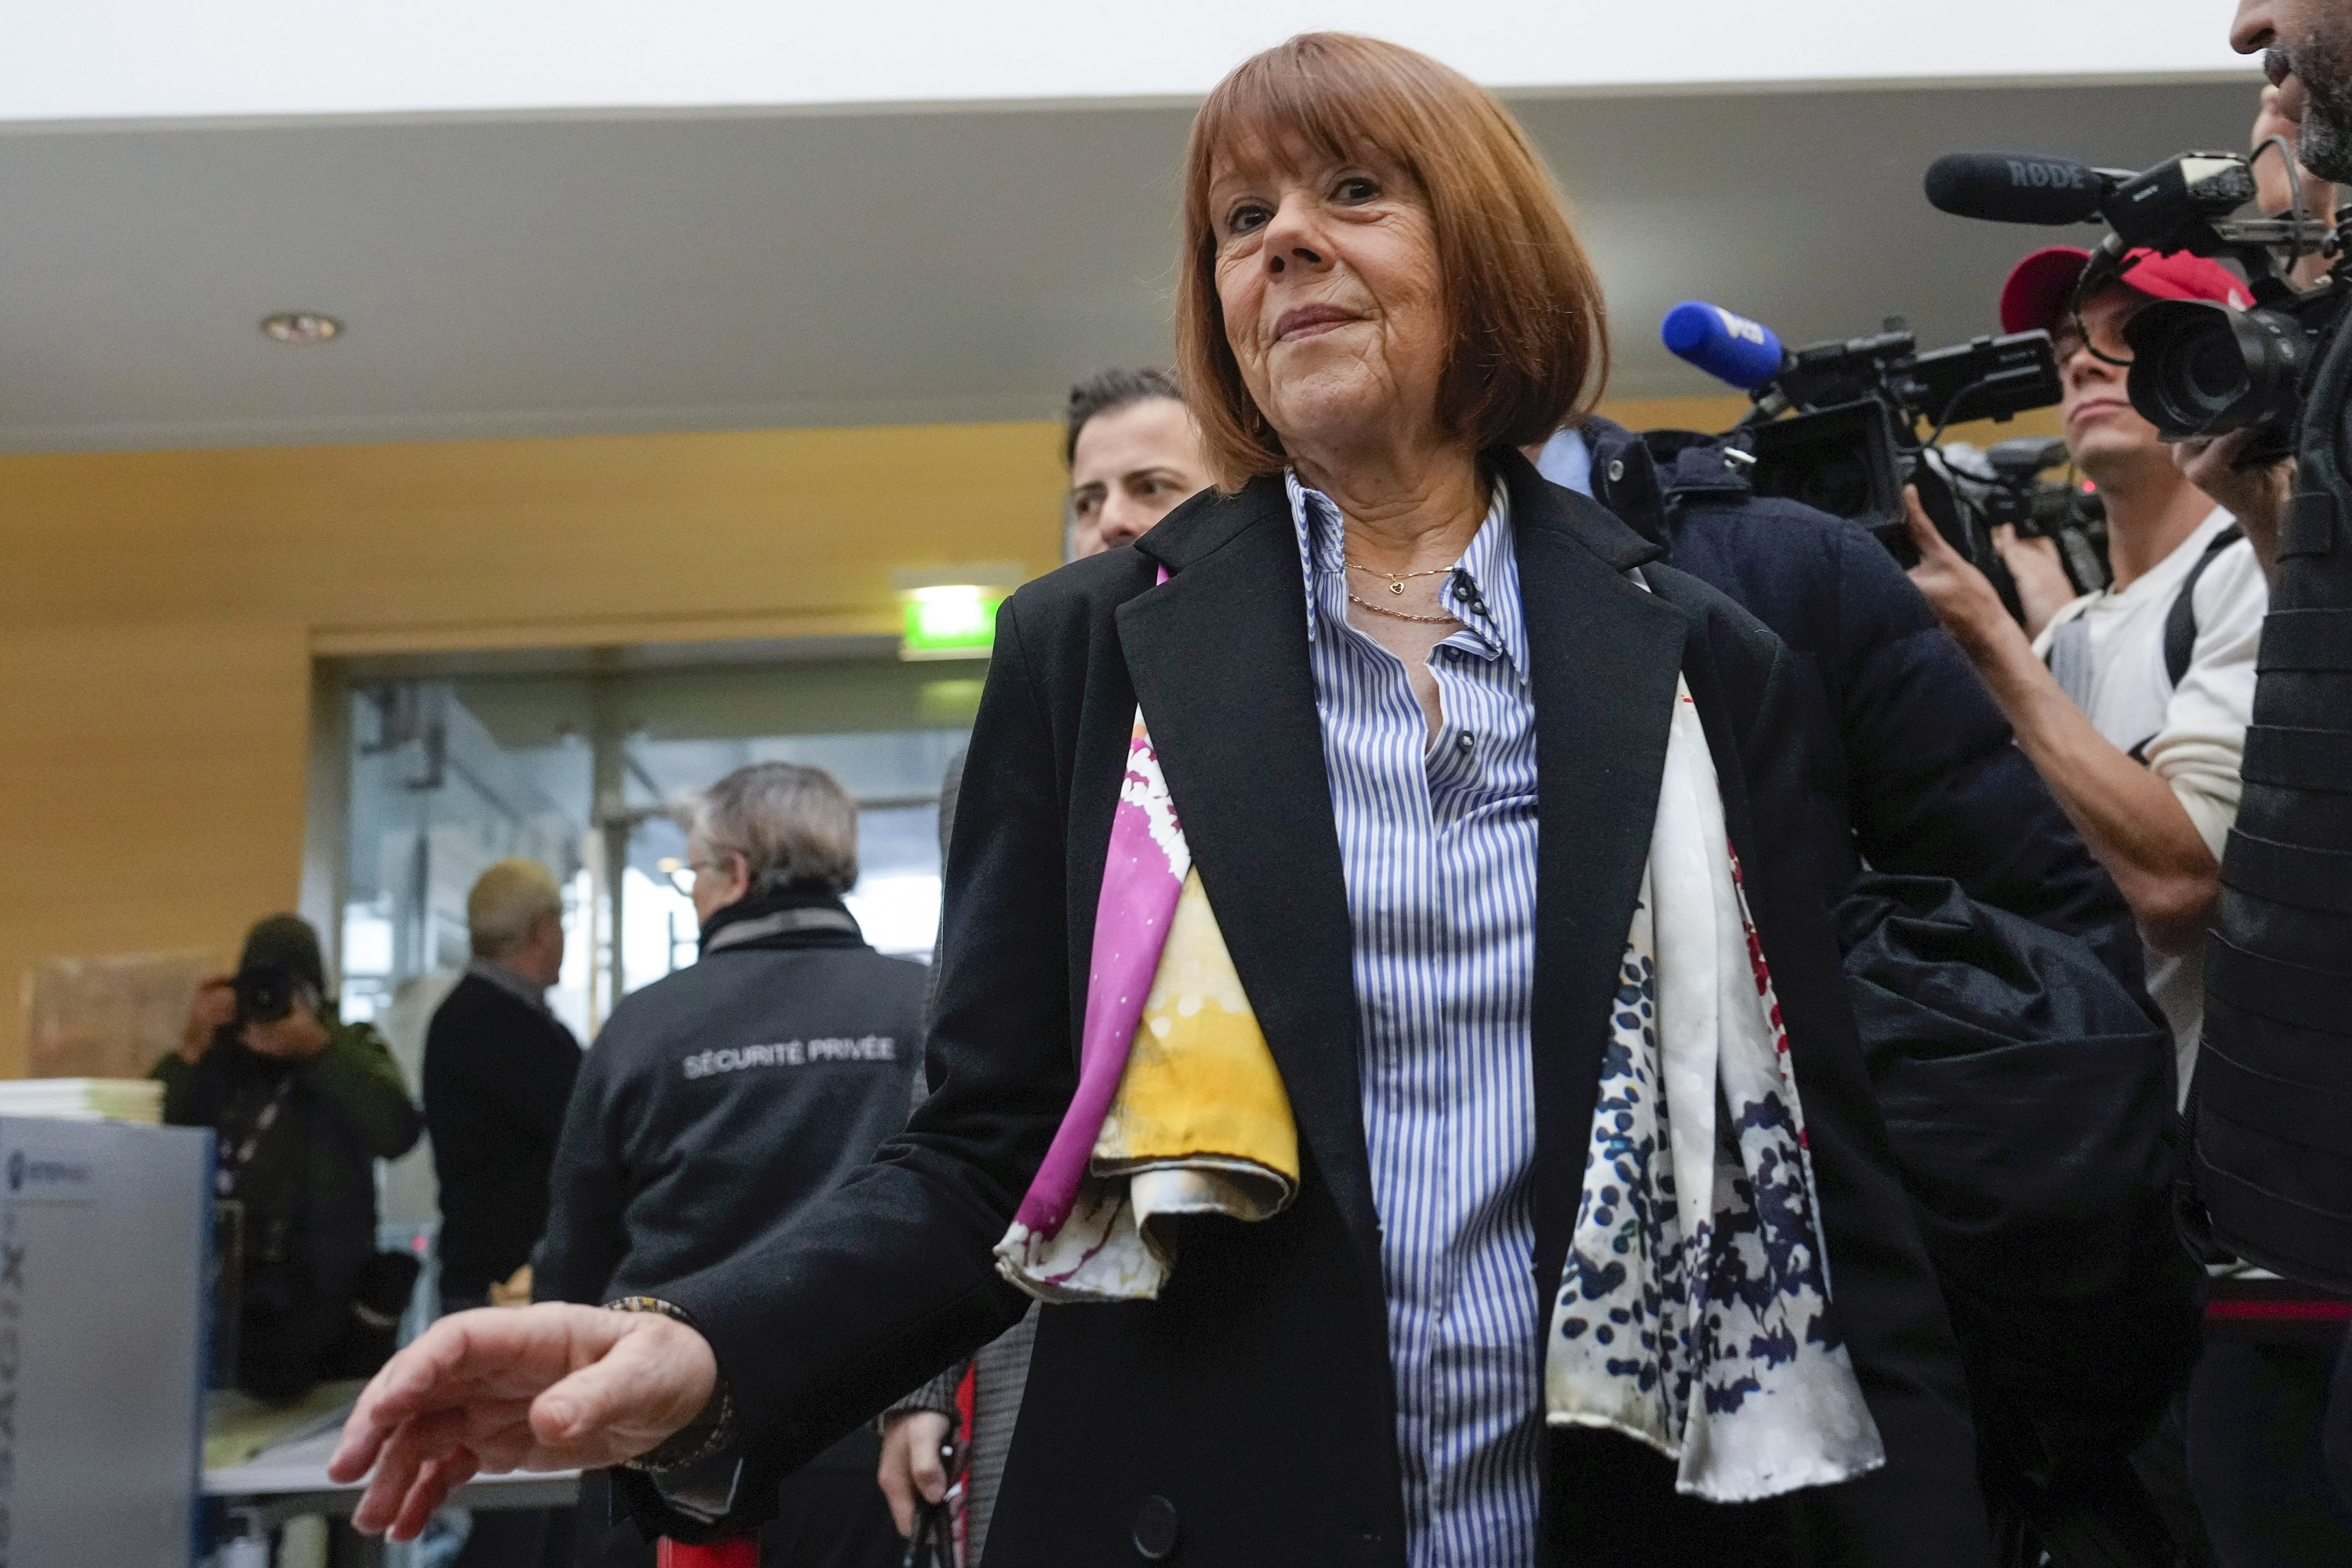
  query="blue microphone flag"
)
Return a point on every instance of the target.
[{"x": 1726, "y": 346}]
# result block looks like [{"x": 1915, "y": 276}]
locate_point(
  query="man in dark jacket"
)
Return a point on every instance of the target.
[
  {"x": 498, "y": 1074},
  {"x": 1917, "y": 760},
  {"x": 303, "y": 1104},
  {"x": 720, "y": 1101}
]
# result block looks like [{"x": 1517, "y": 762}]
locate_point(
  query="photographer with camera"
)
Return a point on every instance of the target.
[
  {"x": 2257, "y": 492},
  {"x": 302, "y": 1105},
  {"x": 1925, "y": 780},
  {"x": 2133, "y": 703}
]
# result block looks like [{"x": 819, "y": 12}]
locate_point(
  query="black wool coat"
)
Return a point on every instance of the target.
[
  {"x": 497, "y": 1073},
  {"x": 1248, "y": 1414}
]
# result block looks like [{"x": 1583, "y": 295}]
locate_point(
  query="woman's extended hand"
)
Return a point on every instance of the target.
[{"x": 550, "y": 1387}]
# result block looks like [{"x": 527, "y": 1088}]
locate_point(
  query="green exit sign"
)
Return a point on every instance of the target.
[{"x": 953, "y": 621}]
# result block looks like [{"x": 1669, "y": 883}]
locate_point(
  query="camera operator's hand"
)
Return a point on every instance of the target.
[
  {"x": 550, "y": 1387},
  {"x": 1963, "y": 597},
  {"x": 2042, "y": 586},
  {"x": 214, "y": 1009},
  {"x": 2256, "y": 496},
  {"x": 296, "y": 1037}
]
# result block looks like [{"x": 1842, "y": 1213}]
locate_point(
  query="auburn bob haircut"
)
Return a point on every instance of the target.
[{"x": 1530, "y": 331}]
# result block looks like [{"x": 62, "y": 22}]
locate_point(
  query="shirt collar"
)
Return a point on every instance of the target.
[
  {"x": 1566, "y": 460},
  {"x": 1491, "y": 563},
  {"x": 2163, "y": 579},
  {"x": 507, "y": 980}
]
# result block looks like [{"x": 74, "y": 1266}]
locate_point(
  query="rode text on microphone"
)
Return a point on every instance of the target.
[{"x": 2197, "y": 368}]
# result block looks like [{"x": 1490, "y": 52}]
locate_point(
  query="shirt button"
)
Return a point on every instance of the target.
[{"x": 1464, "y": 743}]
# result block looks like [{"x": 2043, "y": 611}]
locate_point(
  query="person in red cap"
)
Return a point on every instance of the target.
[
  {"x": 2144, "y": 756},
  {"x": 2134, "y": 703}
]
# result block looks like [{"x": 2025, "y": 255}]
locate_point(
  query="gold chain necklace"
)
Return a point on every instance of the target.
[
  {"x": 1396, "y": 581},
  {"x": 1354, "y": 598}
]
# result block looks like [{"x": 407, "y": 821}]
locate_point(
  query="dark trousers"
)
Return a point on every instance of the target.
[
  {"x": 520, "y": 1537},
  {"x": 2255, "y": 1460},
  {"x": 829, "y": 1515}
]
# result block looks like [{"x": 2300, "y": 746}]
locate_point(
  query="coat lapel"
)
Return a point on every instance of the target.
[
  {"x": 1604, "y": 654},
  {"x": 1219, "y": 658}
]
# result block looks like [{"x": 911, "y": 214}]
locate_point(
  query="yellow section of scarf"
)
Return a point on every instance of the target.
[{"x": 1199, "y": 1081}]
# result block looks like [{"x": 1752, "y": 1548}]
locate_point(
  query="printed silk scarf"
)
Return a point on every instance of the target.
[{"x": 1691, "y": 1309}]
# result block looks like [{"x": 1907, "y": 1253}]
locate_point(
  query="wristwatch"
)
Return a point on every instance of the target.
[{"x": 699, "y": 1439}]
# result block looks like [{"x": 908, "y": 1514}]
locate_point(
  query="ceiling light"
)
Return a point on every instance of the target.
[{"x": 301, "y": 327}]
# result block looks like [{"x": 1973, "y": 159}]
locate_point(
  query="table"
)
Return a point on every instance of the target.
[{"x": 290, "y": 1479}]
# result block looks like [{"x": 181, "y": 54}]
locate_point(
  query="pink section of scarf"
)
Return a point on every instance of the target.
[{"x": 1140, "y": 889}]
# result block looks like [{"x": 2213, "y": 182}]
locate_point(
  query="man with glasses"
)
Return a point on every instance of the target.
[
  {"x": 723, "y": 1098},
  {"x": 2134, "y": 700}
]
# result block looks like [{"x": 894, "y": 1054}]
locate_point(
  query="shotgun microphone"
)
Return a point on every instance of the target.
[{"x": 2017, "y": 187}]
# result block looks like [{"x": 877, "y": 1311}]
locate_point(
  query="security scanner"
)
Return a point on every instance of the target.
[{"x": 103, "y": 1233}]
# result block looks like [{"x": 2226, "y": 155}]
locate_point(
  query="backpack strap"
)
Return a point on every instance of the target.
[{"x": 2181, "y": 620}]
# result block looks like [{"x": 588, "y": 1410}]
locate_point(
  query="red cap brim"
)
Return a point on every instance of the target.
[{"x": 2039, "y": 287}]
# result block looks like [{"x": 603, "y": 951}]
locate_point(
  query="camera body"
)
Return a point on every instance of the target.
[
  {"x": 1838, "y": 430},
  {"x": 266, "y": 993},
  {"x": 2199, "y": 369},
  {"x": 2004, "y": 485}
]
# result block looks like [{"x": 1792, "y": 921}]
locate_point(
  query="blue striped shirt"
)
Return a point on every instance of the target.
[{"x": 1438, "y": 844}]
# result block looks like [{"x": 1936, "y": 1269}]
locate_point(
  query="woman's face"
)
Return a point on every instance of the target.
[{"x": 1327, "y": 273}]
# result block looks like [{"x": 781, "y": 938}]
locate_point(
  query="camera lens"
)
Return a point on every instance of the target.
[
  {"x": 2215, "y": 371},
  {"x": 2202, "y": 369},
  {"x": 264, "y": 996}
]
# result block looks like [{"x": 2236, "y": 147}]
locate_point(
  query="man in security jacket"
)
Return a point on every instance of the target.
[{"x": 719, "y": 1101}]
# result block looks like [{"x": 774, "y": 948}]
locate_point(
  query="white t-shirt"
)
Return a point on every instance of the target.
[{"x": 2192, "y": 736}]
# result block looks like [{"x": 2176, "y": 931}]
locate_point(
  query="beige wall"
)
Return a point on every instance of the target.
[{"x": 159, "y": 612}]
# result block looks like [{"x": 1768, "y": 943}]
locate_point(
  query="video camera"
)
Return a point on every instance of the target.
[
  {"x": 1836, "y": 424},
  {"x": 2003, "y": 484},
  {"x": 2197, "y": 368}
]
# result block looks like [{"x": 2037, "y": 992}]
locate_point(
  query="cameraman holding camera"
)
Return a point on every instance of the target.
[
  {"x": 303, "y": 1105},
  {"x": 2139, "y": 737}
]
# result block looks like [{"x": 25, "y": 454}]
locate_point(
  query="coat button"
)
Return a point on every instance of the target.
[
  {"x": 1616, "y": 469},
  {"x": 1155, "y": 1529}
]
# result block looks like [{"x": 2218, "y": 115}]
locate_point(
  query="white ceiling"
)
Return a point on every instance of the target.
[
  {"x": 570, "y": 275},
  {"x": 159, "y": 59}
]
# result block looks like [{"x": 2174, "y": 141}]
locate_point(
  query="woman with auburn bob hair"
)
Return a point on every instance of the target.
[{"x": 1376, "y": 1012}]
